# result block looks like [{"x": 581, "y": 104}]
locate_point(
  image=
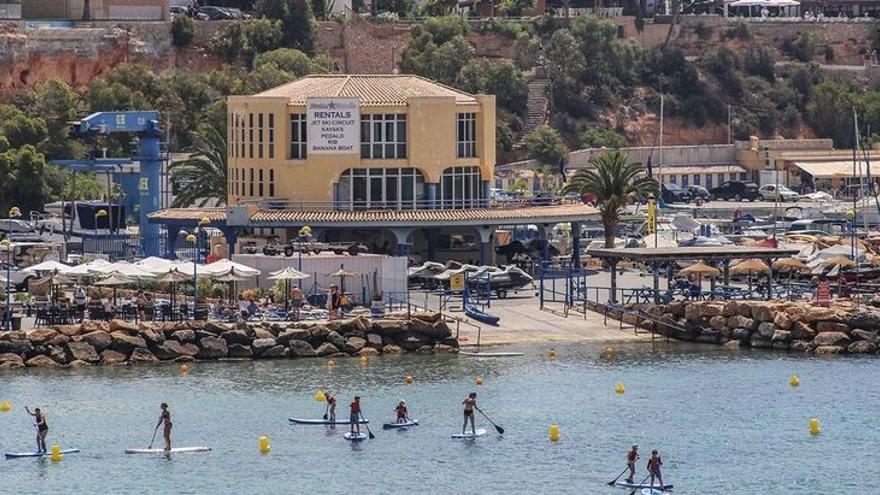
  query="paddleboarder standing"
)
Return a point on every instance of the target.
[
  {"x": 331, "y": 409},
  {"x": 401, "y": 411},
  {"x": 631, "y": 457},
  {"x": 654, "y": 464},
  {"x": 165, "y": 419},
  {"x": 470, "y": 403},
  {"x": 355, "y": 417},
  {"x": 42, "y": 428}
]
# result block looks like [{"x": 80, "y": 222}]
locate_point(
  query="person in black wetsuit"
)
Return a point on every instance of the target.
[{"x": 42, "y": 428}]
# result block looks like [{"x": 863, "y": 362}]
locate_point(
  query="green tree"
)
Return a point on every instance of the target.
[
  {"x": 403, "y": 8},
  {"x": 526, "y": 48},
  {"x": 28, "y": 190},
  {"x": 294, "y": 62},
  {"x": 58, "y": 104},
  {"x": 496, "y": 77},
  {"x": 182, "y": 31},
  {"x": 428, "y": 55},
  {"x": 545, "y": 145},
  {"x": 601, "y": 138},
  {"x": 829, "y": 111},
  {"x": 300, "y": 27},
  {"x": 319, "y": 8},
  {"x": 203, "y": 176},
  {"x": 20, "y": 129},
  {"x": 759, "y": 61},
  {"x": 614, "y": 181}
]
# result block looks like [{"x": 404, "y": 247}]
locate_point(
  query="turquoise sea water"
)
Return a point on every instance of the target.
[{"x": 724, "y": 422}]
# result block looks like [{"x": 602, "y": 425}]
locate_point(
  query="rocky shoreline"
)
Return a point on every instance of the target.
[
  {"x": 125, "y": 343},
  {"x": 841, "y": 328}
]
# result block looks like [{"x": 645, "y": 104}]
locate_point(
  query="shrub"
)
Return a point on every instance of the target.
[
  {"x": 739, "y": 30},
  {"x": 601, "y": 138},
  {"x": 802, "y": 46},
  {"x": 182, "y": 31},
  {"x": 759, "y": 61},
  {"x": 828, "y": 53},
  {"x": 508, "y": 28},
  {"x": 703, "y": 31}
]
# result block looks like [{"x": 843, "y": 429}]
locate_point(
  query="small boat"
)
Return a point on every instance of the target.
[
  {"x": 355, "y": 437},
  {"x": 470, "y": 436},
  {"x": 490, "y": 354},
  {"x": 399, "y": 426},
  {"x": 302, "y": 421},
  {"x": 19, "y": 455},
  {"x": 177, "y": 450},
  {"x": 478, "y": 315}
]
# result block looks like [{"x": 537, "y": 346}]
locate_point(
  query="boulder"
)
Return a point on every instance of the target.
[
  {"x": 374, "y": 340},
  {"x": 412, "y": 341},
  {"x": 152, "y": 336},
  {"x": 862, "y": 347},
  {"x": 389, "y": 328},
  {"x": 761, "y": 312},
  {"x": 57, "y": 354},
  {"x": 98, "y": 339},
  {"x": 744, "y": 309},
  {"x": 124, "y": 326},
  {"x": 782, "y": 346},
  {"x": 326, "y": 349},
  {"x": 729, "y": 309},
  {"x": 712, "y": 309},
  {"x": 354, "y": 344},
  {"x": 802, "y": 331},
  {"x": 676, "y": 308},
  {"x": 200, "y": 334},
  {"x": 391, "y": 349},
  {"x": 111, "y": 357},
  {"x": 11, "y": 361},
  {"x": 318, "y": 334},
  {"x": 831, "y": 339},
  {"x": 336, "y": 339},
  {"x": 795, "y": 313},
  {"x": 262, "y": 345},
  {"x": 863, "y": 319},
  {"x": 425, "y": 349},
  {"x": 59, "y": 340},
  {"x": 781, "y": 336},
  {"x": 782, "y": 321},
  {"x": 368, "y": 351},
  {"x": 813, "y": 314},
  {"x": 13, "y": 335},
  {"x": 423, "y": 327},
  {"x": 709, "y": 336},
  {"x": 172, "y": 349},
  {"x": 17, "y": 346},
  {"x": 240, "y": 351},
  {"x": 125, "y": 343},
  {"x": 294, "y": 334},
  {"x": 93, "y": 326},
  {"x": 142, "y": 355},
  {"x": 739, "y": 321},
  {"x": 262, "y": 333},
  {"x": 301, "y": 348},
  {"x": 801, "y": 346},
  {"x": 217, "y": 329},
  {"x": 832, "y": 326},
  {"x": 40, "y": 336},
  {"x": 279, "y": 351},
  {"x": 830, "y": 349},
  {"x": 759, "y": 342},
  {"x": 82, "y": 351},
  {"x": 184, "y": 336},
  {"x": 866, "y": 335},
  {"x": 76, "y": 363},
  {"x": 69, "y": 330},
  {"x": 766, "y": 329},
  {"x": 733, "y": 344},
  {"x": 212, "y": 348},
  {"x": 451, "y": 342},
  {"x": 692, "y": 312},
  {"x": 429, "y": 316},
  {"x": 236, "y": 337},
  {"x": 41, "y": 362}
]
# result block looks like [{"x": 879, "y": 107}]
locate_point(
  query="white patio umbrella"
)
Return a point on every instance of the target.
[
  {"x": 224, "y": 265},
  {"x": 288, "y": 274},
  {"x": 49, "y": 266}
]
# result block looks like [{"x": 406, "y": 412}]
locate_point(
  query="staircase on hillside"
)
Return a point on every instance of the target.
[{"x": 537, "y": 105}]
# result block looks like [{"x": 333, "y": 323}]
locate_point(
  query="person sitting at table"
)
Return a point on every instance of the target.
[
  {"x": 252, "y": 308},
  {"x": 79, "y": 298}
]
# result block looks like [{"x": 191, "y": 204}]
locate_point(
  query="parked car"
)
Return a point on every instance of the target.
[
  {"x": 673, "y": 193},
  {"x": 699, "y": 192},
  {"x": 736, "y": 190},
  {"x": 768, "y": 193},
  {"x": 18, "y": 278},
  {"x": 216, "y": 13}
]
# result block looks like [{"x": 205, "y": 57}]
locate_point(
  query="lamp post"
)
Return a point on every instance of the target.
[
  {"x": 98, "y": 214},
  {"x": 14, "y": 212},
  {"x": 194, "y": 239}
]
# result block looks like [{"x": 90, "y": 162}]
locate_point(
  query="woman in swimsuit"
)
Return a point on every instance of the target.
[
  {"x": 331, "y": 409},
  {"x": 470, "y": 403},
  {"x": 42, "y": 428},
  {"x": 165, "y": 418},
  {"x": 401, "y": 411}
]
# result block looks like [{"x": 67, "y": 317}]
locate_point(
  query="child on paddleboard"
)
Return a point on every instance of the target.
[
  {"x": 165, "y": 418},
  {"x": 654, "y": 464},
  {"x": 354, "y": 418},
  {"x": 401, "y": 411},
  {"x": 470, "y": 403},
  {"x": 331, "y": 408},
  {"x": 631, "y": 457},
  {"x": 42, "y": 428}
]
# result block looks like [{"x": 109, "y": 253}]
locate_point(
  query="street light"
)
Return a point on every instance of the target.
[
  {"x": 194, "y": 239},
  {"x": 98, "y": 214},
  {"x": 14, "y": 212}
]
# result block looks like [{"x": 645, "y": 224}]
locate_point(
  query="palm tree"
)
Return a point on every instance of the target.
[
  {"x": 202, "y": 177},
  {"x": 613, "y": 180}
]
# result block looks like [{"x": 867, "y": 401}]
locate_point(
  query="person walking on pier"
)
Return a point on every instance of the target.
[{"x": 631, "y": 457}]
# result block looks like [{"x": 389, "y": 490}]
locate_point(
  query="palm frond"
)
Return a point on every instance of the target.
[{"x": 203, "y": 176}]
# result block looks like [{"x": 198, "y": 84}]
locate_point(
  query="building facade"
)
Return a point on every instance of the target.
[{"x": 99, "y": 10}]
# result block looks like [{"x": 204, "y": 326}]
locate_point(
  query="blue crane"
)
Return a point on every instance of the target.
[{"x": 144, "y": 124}]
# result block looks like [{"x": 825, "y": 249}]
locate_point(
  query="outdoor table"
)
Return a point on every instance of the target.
[{"x": 729, "y": 292}]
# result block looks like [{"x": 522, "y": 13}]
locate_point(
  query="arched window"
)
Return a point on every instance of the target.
[
  {"x": 461, "y": 187},
  {"x": 380, "y": 188}
]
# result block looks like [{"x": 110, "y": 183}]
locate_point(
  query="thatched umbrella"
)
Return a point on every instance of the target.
[
  {"x": 287, "y": 275},
  {"x": 699, "y": 269},
  {"x": 54, "y": 279},
  {"x": 230, "y": 277},
  {"x": 790, "y": 265},
  {"x": 750, "y": 266},
  {"x": 115, "y": 280},
  {"x": 342, "y": 273},
  {"x": 173, "y": 277}
]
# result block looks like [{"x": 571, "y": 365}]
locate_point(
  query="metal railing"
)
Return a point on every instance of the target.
[{"x": 421, "y": 204}]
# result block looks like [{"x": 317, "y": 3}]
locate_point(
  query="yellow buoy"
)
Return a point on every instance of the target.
[
  {"x": 408, "y": 379},
  {"x": 619, "y": 388},
  {"x": 551, "y": 354},
  {"x": 363, "y": 359},
  {"x": 319, "y": 396},
  {"x": 608, "y": 352},
  {"x": 5, "y": 406},
  {"x": 331, "y": 363},
  {"x": 554, "y": 433},
  {"x": 794, "y": 381},
  {"x": 56, "y": 453},
  {"x": 184, "y": 368},
  {"x": 479, "y": 380},
  {"x": 264, "y": 445},
  {"x": 815, "y": 427}
]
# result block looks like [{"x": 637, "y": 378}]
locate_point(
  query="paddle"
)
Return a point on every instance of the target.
[
  {"x": 410, "y": 420},
  {"x": 498, "y": 428},
  {"x": 154, "y": 436},
  {"x": 612, "y": 482},
  {"x": 370, "y": 433},
  {"x": 642, "y": 483}
]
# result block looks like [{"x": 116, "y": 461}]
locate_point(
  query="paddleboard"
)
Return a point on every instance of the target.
[
  {"x": 355, "y": 437},
  {"x": 624, "y": 484},
  {"x": 178, "y": 450},
  {"x": 18, "y": 455},
  {"x": 301, "y": 421},
  {"x": 392, "y": 426},
  {"x": 490, "y": 354},
  {"x": 469, "y": 436},
  {"x": 652, "y": 491}
]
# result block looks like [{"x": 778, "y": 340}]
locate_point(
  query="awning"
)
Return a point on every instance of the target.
[{"x": 830, "y": 169}]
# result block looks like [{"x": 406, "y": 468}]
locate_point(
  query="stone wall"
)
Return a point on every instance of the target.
[
  {"x": 797, "y": 326},
  {"x": 123, "y": 343}
]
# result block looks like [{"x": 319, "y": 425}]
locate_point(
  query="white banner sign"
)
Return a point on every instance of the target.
[{"x": 334, "y": 126}]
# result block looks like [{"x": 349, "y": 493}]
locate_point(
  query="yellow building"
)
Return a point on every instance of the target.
[{"x": 421, "y": 145}]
